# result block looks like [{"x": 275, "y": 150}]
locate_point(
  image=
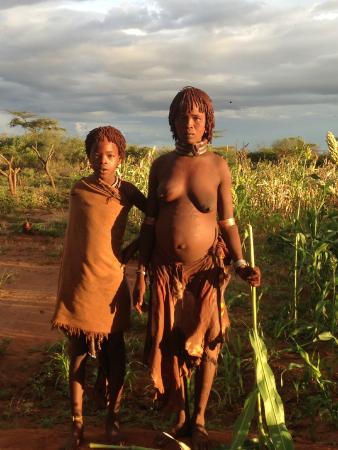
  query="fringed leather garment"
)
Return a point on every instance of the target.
[
  {"x": 93, "y": 296},
  {"x": 187, "y": 317}
]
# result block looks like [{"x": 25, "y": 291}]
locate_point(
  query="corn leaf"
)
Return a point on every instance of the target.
[
  {"x": 273, "y": 406},
  {"x": 242, "y": 424},
  {"x": 181, "y": 444},
  {"x": 327, "y": 336}
]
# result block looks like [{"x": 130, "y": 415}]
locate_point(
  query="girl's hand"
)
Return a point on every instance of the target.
[
  {"x": 139, "y": 291},
  {"x": 251, "y": 275}
]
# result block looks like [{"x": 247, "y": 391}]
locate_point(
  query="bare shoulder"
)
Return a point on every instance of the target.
[
  {"x": 163, "y": 159},
  {"x": 220, "y": 163},
  {"x": 162, "y": 162}
]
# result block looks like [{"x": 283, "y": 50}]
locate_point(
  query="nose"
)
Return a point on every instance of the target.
[
  {"x": 102, "y": 160},
  {"x": 189, "y": 122}
]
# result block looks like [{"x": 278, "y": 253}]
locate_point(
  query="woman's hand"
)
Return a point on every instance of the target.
[
  {"x": 251, "y": 275},
  {"x": 139, "y": 291}
]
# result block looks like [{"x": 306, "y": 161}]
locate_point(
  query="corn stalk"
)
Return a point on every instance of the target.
[{"x": 277, "y": 436}]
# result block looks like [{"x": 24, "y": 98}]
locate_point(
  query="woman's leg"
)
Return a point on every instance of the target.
[{"x": 204, "y": 378}]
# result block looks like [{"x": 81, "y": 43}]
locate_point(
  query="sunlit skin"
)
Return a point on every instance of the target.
[
  {"x": 190, "y": 126},
  {"x": 187, "y": 196}
]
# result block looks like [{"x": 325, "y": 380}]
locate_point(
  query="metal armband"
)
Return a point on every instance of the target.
[{"x": 229, "y": 222}]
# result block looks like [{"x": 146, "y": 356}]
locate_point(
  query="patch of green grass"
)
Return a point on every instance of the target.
[{"x": 55, "y": 228}]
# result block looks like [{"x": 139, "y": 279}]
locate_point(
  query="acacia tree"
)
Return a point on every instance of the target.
[
  {"x": 43, "y": 131},
  {"x": 292, "y": 146}
]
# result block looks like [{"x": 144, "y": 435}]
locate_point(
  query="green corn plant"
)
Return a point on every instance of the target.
[
  {"x": 317, "y": 249},
  {"x": 228, "y": 385},
  {"x": 264, "y": 393}
]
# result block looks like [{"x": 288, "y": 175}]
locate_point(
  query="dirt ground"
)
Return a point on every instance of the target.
[{"x": 30, "y": 264}]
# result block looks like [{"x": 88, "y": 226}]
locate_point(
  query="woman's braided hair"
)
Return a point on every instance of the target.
[
  {"x": 109, "y": 133},
  {"x": 184, "y": 101}
]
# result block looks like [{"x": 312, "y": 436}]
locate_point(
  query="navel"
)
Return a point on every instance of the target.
[{"x": 204, "y": 208}]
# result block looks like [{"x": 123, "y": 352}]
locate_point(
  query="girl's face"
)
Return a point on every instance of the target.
[{"x": 104, "y": 159}]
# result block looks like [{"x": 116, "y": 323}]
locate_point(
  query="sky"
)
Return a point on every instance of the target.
[{"x": 270, "y": 67}]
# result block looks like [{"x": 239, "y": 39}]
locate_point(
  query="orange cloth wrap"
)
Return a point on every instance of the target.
[{"x": 93, "y": 296}]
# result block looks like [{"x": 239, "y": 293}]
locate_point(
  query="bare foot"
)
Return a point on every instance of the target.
[
  {"x": 199, "y": 437},
  {"x": 113, "y": 434},
  {"x": 181, "y": 430}
]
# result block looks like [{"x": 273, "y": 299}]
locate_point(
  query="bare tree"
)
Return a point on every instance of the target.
[
  {"x": 39, "y": 128},
  {"x": 11, "y": 172}
]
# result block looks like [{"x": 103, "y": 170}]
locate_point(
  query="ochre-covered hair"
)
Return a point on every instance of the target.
[
  {"x": 112, "y": 134},
  {"x": 184, "y": 101}
]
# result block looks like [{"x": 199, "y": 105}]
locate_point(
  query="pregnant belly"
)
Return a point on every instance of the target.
[{"x": 184, "y": 236}]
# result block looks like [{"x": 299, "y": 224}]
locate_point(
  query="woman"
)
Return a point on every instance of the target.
[{"x": 188, "y": 239}]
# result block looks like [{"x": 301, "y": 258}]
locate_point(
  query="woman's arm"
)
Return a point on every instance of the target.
[{"x": 229, "y": 229}]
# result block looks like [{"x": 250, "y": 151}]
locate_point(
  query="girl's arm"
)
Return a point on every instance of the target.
[{"x": 147, "y": 238}]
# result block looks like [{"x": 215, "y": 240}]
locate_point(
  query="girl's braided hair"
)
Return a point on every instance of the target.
[{"x": 112, "y": 134}]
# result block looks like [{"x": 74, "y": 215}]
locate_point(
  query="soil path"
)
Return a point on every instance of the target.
[{"x": 29, "y": 272}]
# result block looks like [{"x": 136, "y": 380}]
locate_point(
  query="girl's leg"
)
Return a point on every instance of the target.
[
  {"x": 115, "y": 348},
  {"x": 101, "y": 384},
  {"x": 77, "y": 364}
]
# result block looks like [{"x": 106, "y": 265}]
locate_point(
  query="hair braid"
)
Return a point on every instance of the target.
[{"x": 109, "y": 133}]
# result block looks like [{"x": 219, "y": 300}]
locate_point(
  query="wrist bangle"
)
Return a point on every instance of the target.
[
  {"x": 239, "y": 263},
  {"x": 141, "y": 272}
]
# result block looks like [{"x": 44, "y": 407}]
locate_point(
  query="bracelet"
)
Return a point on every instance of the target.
[
  {"x": 230, "y": 221},
  {"x": 239, "y": 263},
  {"x": 141, "y": 272},
  {"x": 77, "y": 419}
]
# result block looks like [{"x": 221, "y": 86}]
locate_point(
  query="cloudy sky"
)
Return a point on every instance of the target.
[{"x": 270, "y": 66}]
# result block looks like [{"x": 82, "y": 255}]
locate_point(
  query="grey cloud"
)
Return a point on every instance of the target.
[
  {"x": 7, "y": 4},
  {"x": 73, "y": 65},
  {"x": 175, "y": 15},
  {"x": 327, "y": 6}
]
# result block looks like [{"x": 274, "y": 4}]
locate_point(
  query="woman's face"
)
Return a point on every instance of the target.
[{"x": 190, "y": 126}]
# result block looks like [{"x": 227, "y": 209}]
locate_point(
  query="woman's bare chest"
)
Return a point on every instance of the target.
[{"x": 191, "y": 181}]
